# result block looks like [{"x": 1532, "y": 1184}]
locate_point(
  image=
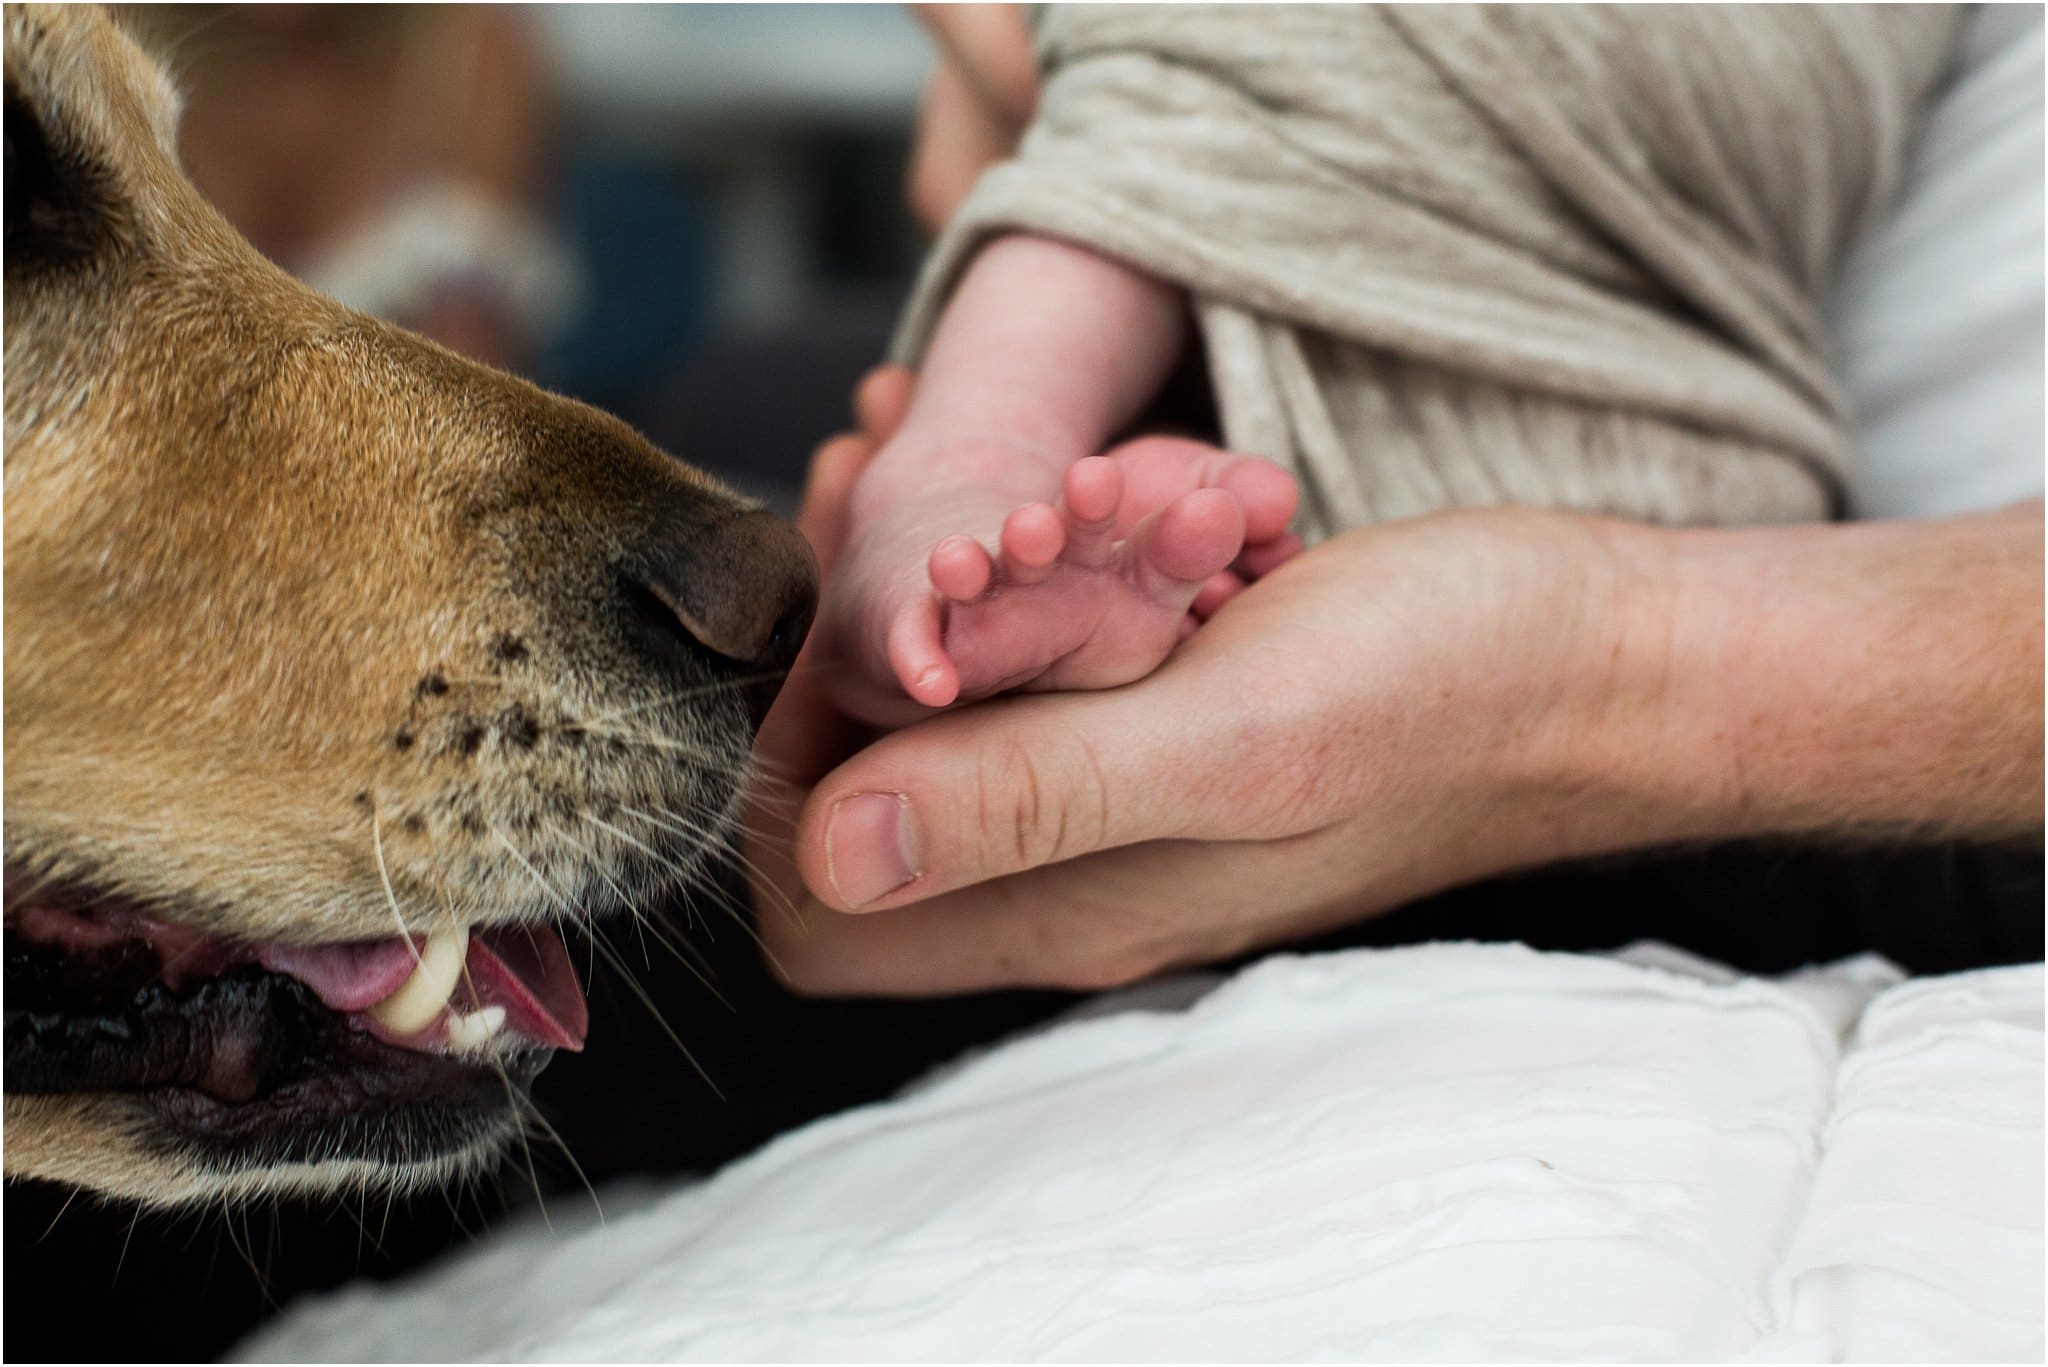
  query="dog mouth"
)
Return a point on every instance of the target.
[{"x": 225, "y": 1035}]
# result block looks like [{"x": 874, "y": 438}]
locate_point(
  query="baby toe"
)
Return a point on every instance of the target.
[
  {"x": 918, "y": 657},
  {"x": 1093, "y": 487},
  {"x": 1262, "y": 558},
  {"x": 1177, "y": 549},
  {"x": 1267, "y": 493},
  {"x": 1216, "y": 590},
  {"x": 1033, "y": 537},
  {"x": 1094, "y": 492},
  {"x": 960, "y": 568}
]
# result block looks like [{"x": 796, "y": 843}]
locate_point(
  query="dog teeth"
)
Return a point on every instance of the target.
[
  {"x": 420, "y": 997},
  {"x": 473, "y": 1031}
]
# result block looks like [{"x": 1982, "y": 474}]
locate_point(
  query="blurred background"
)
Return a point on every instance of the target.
[{"x": 691, "y": 215}]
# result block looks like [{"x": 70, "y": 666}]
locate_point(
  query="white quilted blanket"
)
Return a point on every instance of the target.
[{"x": 1450, "y": 1152}]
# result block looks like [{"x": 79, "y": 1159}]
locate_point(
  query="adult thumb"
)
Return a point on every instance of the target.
[{"x": 1007, "y": 786}]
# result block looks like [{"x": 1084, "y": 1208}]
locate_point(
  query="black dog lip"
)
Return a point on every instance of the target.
[
  {"x": 245, "y": 1060},
  {"x": 103, "y": 1023},
  {"x": 232, "y": 1037}
]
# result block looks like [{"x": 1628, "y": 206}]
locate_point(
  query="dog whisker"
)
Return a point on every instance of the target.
[
  {"x": 695, "y": 691},
  {"x": 122, "y": 1260},
  {"x": 685, "y": 953},
  {"x": 764, "y": 780},
  {"x": 782, "y": 805},
  {"x": 512, "y": 1099},
  {"x": 760, "y": 793},
  {"x": 570, "y": 911},
  {"x": 604, "y": 948},
  {"x": 649, "y": 741},
  {"x": 611, "y": 956},
  {"x": 724, "y": 846},
  {"x": 527, "y": 1109},
  {"x": 360, "y": 1216},
  {"x": 734, "y": 910},
  {"x": 384, "y": 873},
  {"x": 687, "y": 878}
]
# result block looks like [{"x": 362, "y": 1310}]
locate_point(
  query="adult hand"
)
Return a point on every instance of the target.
[
  {"x": 1322, "y": 749},
  {"x": 980, "y": 96},
  {"x": 1404, "y": 709},
  {"x": 1307, "y": 757}
]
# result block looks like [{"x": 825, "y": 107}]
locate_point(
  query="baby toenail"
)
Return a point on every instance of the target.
[{"x": 871, "y": 847}]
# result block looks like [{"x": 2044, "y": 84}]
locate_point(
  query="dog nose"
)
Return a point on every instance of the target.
[{"x": 740, "y": 589}]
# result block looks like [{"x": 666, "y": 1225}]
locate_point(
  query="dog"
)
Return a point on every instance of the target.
[{"x": 342, "y": 675}]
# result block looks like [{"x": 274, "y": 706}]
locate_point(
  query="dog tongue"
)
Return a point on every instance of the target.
[
  {"x": 347, "y": 977},
  {"x": 529, "y": 974}
]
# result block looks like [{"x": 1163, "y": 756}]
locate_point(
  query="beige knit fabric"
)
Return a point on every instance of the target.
[{"x": 1450, "y": 255}]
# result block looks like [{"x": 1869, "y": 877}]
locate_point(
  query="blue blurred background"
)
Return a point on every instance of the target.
[{"x": 732, "y": 189}]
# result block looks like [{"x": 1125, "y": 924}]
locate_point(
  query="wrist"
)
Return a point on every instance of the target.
[
  {"x": 1601, "y": 749},
  {"x": 1856, "y": 681},
  {"x": 1636, "y": 753},
  {"x": 1513, "y": 712}
]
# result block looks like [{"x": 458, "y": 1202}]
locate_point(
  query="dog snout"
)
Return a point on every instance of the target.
[{"x": 741, "y": 589}]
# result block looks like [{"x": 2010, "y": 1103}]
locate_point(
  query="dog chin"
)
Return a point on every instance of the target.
[{"x": 113, "y": 1146}]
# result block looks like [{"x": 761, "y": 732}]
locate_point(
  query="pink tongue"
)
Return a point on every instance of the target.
[
  {"x": 347, "y": 977},
  {"x": 529, "y": 974}
]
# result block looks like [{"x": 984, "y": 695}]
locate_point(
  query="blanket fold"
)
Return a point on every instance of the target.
[{"x": 1449, "y": 255}]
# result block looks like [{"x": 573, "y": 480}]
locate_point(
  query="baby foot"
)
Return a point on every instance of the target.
[{"x": 1092, "y": 592}]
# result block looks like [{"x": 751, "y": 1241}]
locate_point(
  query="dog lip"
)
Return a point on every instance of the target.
[
  {"x": 246, "y": 1063},
  {"x": 523, "y": 971}
]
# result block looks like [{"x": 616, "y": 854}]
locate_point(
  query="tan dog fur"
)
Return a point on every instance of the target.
[{"x": 296, "y": 606}]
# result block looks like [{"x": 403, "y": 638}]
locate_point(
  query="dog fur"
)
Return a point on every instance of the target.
[{"x": 312, "y": 627}]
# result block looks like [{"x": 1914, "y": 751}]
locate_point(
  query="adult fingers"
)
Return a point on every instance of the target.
[
  {"x": 1252, "y": 729},
  {"x": 1092, "y": 923},
  {"x": 956, "y": 138},
  {"x": 990, "y": 46},
  {"x": 1018, "y": 784},
  {"x": 880, "y": 401},
  {"x": 803, "y": 736},
  {"x": 822, "y": 514}
]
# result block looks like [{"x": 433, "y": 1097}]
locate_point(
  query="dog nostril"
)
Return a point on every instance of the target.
[
  {"x": 787, "y": 637},
  {"x": 742, "y": 590}
]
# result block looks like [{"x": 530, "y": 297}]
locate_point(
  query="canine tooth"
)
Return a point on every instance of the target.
[
  {"x": 476, "y": 1029},
  {"x": 420, "y": 997}
]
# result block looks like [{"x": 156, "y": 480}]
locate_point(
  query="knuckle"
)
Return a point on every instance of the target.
[
  {"x": 1020, "y": 778},
  {"x": 1039, "y": 809}
]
